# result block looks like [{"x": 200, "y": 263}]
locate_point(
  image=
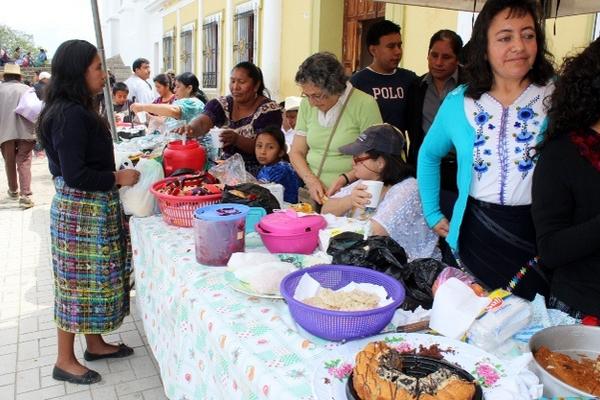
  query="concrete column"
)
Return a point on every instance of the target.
[
  {"x": 199, "y": 42},
  {"x": 270, "y": 42},
  {"x": 177, "y": 41},
  {"x": 227, "y": 46}
]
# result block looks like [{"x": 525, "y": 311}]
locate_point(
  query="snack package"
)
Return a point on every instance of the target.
[
  {"x": 451, "y": 272},
  {"x": 502, "y": 318}
]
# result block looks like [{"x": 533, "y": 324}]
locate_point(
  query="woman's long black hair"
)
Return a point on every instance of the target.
[
  {"x": 479, "y": 75},
  {"x": 68, "y": 86},
  {"x": 575, "y": 103},
  {"x": 189, "y": 79},
  {"x": 256, "y": 75}
]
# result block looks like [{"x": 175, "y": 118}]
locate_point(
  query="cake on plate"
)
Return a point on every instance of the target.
[{"x": 380, "y": 373}]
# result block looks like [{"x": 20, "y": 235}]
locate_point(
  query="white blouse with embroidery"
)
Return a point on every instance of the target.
[{"x": 504, "y": 141}]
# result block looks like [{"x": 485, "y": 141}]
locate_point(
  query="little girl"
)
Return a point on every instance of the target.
[{"x": 271, "y": 153}]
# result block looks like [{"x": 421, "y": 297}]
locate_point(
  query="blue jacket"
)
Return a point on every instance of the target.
[{"x": 450, "y": 128}]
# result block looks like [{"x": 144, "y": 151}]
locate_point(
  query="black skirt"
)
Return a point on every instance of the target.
[{"x": 495, "y": 242}]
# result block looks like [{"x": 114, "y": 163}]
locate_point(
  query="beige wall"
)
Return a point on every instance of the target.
[
  {"x": 572, "y": 35},
  {"x": 296, "y": 43},
  {"x": 170, "y": 21}
]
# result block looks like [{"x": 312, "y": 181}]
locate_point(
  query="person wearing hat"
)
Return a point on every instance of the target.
[
  {"x": 379, "y": 155},
  {"x": 41, "y": 84},
  {"x": 290, "y": 113},
  {"x": 16, "y": 137}
]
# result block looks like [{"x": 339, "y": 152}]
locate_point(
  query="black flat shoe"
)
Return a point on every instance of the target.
[
  {"x": 123, "y": 351},
  {"x": 88, "y": 378}
]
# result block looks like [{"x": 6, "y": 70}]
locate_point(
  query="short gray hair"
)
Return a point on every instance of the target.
[{"x": 323, "y": 70}]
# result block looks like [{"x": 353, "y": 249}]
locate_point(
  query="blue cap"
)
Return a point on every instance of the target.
[{"x": 222, "y": 212}]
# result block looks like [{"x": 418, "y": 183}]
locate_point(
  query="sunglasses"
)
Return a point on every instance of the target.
[{"x": 357, "y": 159}]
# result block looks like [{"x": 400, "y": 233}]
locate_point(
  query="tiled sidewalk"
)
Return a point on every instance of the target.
[{"x": 27, "y": 332}]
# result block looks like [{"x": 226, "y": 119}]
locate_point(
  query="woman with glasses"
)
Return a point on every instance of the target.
[
  {"x": 331, "y": 114},
  {"x": 242, "y": 114},
  {"x": 379, "y": 154}
]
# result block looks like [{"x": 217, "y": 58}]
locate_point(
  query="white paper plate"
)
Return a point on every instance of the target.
[{"x": 245, "y": 288}]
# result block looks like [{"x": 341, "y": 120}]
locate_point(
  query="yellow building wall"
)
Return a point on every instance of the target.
[
  {"x": 572, "y": 35},
  {"x": 213, "y": 6},
  {"x": 170, "y": 22},
  {"x": 296, "y": 43},
  {"x": 330, "y": 27},
  {"x": 188, "y": 13}
]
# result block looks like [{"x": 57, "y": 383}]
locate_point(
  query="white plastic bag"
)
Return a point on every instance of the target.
[
  {"x": 29, "y": 106},
  {"x": 137, "y": 199}
]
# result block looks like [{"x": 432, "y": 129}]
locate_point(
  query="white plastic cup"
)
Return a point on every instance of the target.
[
  {"x": 374, "y": 188},
  {"x": 215, "y": 135}
]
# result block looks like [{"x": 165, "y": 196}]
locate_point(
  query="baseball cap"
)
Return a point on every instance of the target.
[
  {"x": 292, "y": 103},
  {"x": 383, "y": 138}
]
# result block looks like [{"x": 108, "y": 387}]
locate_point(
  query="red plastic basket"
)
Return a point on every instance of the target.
[{"x": 179, "y": 210}]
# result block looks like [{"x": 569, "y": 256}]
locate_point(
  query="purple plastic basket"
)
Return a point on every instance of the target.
[{"x": 341, "y": 325}]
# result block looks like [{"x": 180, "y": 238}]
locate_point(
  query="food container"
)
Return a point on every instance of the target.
[
  {"x": 179, "y": 155},
  {"x": 219, "y": 231},
  {"x": 288, "y": 232},
  {"x": 341, "y": 325},
  {"x": 572, "y": 340}
]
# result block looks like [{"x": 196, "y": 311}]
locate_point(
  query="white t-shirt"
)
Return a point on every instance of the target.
[{"x": 142, "y": 90}]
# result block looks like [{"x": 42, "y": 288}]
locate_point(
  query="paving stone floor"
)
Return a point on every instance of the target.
[{"x": 27, "y": 331}]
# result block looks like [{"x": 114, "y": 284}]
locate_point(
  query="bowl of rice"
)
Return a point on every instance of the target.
[{"x": 337, "y": 316}]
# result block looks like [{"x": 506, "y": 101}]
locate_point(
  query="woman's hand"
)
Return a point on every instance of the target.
[
  {"x": 360, "y": 197},
  {"x": 136, "y": 107},
  {"x": 127, "y": 177},
  {"x": 316, "y": 188},
  {"x": 229, "y": 137},
  {"x": 442, "y": 227}
]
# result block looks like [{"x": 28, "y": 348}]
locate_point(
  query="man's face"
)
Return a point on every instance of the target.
[
  {"x": 120, "y": 97},
  {"x": 441, "y": 60},
  {"x": 143, "y": 71},
  {"x": 388, "y": 53}
]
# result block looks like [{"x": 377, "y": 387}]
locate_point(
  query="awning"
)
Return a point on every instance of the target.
[{"x": 565, "y": 7}]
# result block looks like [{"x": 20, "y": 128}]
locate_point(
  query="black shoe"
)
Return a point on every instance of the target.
[
  {"x": 123, "y": 351},
  {"x": 88, "y": 378}
]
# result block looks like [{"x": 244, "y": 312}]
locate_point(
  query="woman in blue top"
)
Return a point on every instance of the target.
[
  {"x": 186, "y": 107},
  {"x": 493, "y": 122}
]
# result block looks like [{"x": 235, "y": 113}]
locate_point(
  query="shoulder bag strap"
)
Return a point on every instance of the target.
[{"x": 333, "y": 129}]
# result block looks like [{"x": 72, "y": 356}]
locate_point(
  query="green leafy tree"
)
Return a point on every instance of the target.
[{"x": 10, "y": 39}]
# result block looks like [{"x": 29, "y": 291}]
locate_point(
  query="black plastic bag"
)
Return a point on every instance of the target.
[
  {"x": 380, "y": 253},
  {"x": 418, "y": 277},
  {"x": 251, "y": 195}
]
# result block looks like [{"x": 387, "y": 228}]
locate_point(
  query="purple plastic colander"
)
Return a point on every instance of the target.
[{"x": 341, "y": 325}]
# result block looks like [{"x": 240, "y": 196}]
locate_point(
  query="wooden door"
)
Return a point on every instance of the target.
[{"x": 358, "y": 16}]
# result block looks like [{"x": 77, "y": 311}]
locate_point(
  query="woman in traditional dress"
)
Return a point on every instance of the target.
[
  {"x": 90, "y": 248},
  {"x": 493, "y": 122}
]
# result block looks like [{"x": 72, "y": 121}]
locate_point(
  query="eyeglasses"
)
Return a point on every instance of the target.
[
  {"x": 315, "y": 97},
  {"x": 360, "y": 159}
]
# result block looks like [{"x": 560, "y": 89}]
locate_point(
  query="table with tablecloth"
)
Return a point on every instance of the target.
[{"x": 210, "y": 341}]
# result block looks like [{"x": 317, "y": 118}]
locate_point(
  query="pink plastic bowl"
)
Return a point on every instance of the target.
[{"x": 301, "y": 243}]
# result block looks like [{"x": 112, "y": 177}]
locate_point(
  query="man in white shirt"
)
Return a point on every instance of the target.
[{"x": 140, "y": 87}]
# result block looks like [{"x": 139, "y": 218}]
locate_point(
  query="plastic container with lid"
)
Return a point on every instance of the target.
[
  {"x": 219, "y": 231},
  {"x": 178, "y": 155},
  {"x": 289, "y": 232}
]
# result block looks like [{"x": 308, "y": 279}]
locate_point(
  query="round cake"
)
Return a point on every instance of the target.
[{"x": 380, "y": 374}]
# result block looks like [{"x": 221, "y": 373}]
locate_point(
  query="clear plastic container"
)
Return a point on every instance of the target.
[{"x": 219, "y": 231}]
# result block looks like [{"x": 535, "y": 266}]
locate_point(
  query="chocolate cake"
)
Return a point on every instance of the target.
[{"x": 382, "y": 374}]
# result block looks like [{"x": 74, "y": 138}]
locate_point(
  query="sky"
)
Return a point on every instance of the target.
[{"x": 51, "y": 22}]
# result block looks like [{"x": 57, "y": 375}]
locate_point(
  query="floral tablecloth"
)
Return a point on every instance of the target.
[{"x": 212, "y": 342}]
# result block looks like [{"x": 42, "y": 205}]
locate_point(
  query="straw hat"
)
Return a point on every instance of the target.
[
  {"x": 13, "y": 69},
  {"x": 292, "y": 103}
]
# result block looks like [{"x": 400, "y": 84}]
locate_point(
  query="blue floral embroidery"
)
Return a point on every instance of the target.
[
  {"x": 524, "y": 136},
  {"x": 481, "y": 166},
  {"x": 491, "y": 126},
  {"x": 525, "y": 165},
  {"x": 487, "y": 152},
  {"x": 480, "y": 140},
  {"x": 518, "y": 150},
  {"x": 525, "y": 113},
  {"x": 482, "y": 117},
  {"x": 517, "y": 124}
]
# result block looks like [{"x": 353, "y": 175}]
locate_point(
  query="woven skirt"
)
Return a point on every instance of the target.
[{"x": 91, "y": 260}]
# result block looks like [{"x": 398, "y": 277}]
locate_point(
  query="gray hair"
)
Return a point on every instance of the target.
[{"x": 323, "y": 70}]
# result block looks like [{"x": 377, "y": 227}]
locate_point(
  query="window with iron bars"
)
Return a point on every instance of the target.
[
  {"x": 243, "y": 45},
  {"x": 168, "y": 62},
  {"x": 187, "y": 51},
  {"x": 210, "y": 53}
]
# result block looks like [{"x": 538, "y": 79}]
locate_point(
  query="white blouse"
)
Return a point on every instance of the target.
[{"x": 504, "y": 141}]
